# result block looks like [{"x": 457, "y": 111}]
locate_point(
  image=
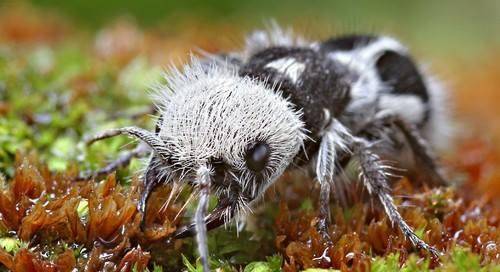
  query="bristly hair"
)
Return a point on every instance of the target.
[
  {"x": 273, "y": 35},
  {"x": 214, "y": 113}
]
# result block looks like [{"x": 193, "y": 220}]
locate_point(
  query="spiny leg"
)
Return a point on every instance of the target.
[
  {"x": 148, "y": 139},
  {"x": 332, "y": 142},
  {"x": 419, "y": 146},
  {"x": 324, "y": 208},
  {"x": 203, "y": 182},
  {"x": 150, "y": 179},
  {"x": 324, "y": 173},
  {"x": 374, "y": 176},
  {"x": 123, "y": 161},
  {"x": 155, "y": 142}
]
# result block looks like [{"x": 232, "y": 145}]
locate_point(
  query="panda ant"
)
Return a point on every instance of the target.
[{"x": 231, "y": 124}]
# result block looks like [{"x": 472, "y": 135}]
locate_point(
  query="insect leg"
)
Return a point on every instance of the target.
[
  {"x": 148, "y": 139},
  {"x": 124, "y": 160},
  {"x": 151, "y": 178},
  {"x": 332, "y": 142},
  {"x": 374, "y": 176},
  {"x": 422, "y": 152},
  {"x": 419, "y": 147},
  {"x": 324, "y": 208},
  {"x": 203, "y": 181}
]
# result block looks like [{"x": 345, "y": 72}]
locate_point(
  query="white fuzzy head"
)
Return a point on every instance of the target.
[{"x": 212, "y": 114}]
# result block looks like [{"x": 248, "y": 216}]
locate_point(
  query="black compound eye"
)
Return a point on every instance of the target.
[{"x": 257, "y": 156}]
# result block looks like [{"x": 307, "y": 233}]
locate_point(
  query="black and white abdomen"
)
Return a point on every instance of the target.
[
  {"x": 353, "y": 78},
  {"x": 386, "y": 78}
]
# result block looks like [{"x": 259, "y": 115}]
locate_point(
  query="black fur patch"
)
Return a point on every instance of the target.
[
  {"x": 346, "y": 43},
  {"x": 320, "y": 86},
  {"x": 400, "y": 72}
]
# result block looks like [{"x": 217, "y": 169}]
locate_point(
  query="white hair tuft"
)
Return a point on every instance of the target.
[{"x": 214, "y": 113}]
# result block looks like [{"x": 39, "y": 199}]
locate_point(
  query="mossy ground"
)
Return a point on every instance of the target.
[{"x": 58, "y": 85}]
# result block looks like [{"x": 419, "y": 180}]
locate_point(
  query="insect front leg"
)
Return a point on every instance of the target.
[
  {"x": 149, "y": 141},
  {"x": 123, "y": 161},
  {"x": 154, "y": 175},
  {"x": 374, "y": 175},
  {"x": 332, "y": 143},
  {"x": 203, "y": 183}
]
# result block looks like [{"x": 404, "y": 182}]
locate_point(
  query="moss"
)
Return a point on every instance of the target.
[{"x": 53, "y": 94}]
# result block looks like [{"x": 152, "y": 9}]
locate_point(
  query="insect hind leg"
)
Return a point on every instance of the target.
[
  {"x": 419, "y": 147},
  {"x": 374, "y": 175}
]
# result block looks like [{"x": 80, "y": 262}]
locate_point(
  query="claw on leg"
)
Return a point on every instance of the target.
[{"x": 396, "y": 218}]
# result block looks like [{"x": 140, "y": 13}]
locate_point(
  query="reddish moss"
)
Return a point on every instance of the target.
[
  {"x": 444, "y": 217},
  {"x": 41, "y": 209}
]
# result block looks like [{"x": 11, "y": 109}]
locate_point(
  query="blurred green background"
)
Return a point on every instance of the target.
[{"x": 457, "y": 28}]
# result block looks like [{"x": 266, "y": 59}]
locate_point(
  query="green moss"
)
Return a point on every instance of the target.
[
  {"x": 11, "y": 244},
  {"x": 83, "y": 208},
  {"x": 459, "y": 259},
  {"x": 57, "y": 94},
  {"x": 272, "y": 264},
  {"x": 390, "y": 263},
  {"x": 463, "y": 260},
  {"x": 320, "y": 270}
]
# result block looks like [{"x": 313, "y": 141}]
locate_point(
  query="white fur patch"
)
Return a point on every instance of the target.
[
  {"x": 368, "y": 87},
  {"x": 409, "y": 107},
  {"x": 440, "y": 130},
  {"x": 214, "y": 113},
  {"x": 273, "y": 35},
  {"x": 361, "y": 60},
  {"x": 288, "y": 66},
  {"x": 367, "y": 54}
]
